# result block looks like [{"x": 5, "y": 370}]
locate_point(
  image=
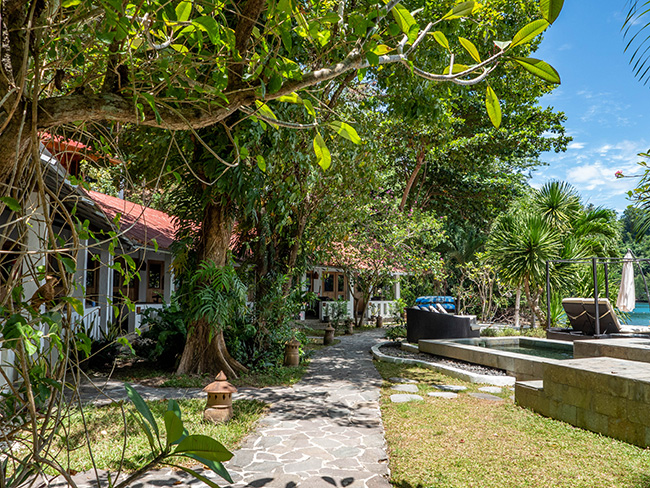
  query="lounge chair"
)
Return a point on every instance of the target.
[
  {"x": 579, "y": 320},
  {"x": 609, "y": 323}
]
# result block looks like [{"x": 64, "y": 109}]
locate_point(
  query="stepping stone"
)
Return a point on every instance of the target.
[
  {"x": 491, "y": 389},
  {"x": 442, "y": 394},
  {"x": 404, "y": 398},
  {"x": 486, "y": 396},
  {"x": 454, "y": 388},
  {"x": 406, "y": 388},
  {"x": 401, "y": 380}
]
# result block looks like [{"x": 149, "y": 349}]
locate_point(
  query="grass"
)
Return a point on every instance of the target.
[
  {"x": 106, "y": 433},
  {"x": 467, "y": 442},
  {"x": 146, "y": 374}
]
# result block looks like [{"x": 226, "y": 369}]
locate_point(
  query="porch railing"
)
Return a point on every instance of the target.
[
  {"x": 140, "y": 309},
  {"x": 90, "y": 321}
]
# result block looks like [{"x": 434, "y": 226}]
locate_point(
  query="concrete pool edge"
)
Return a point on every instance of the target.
[
  {"x": 522, "y": 366},
  {"x": 441, "y": 368}
]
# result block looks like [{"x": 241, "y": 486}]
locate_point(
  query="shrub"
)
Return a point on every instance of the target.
[
  {"x": 396, "y": 332},
  {"x": 163, "y": 341}
]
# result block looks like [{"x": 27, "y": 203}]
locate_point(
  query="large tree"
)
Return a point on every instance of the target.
[{"x": 190, "y": 65}]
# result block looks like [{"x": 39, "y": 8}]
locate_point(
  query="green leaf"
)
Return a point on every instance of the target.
[
  {"x": 261, "y": 163},
  {"x": 141, "y": 407},
  {"x": 291, "y": 98},
  {"x": 441, "y": 39},
  {"x": 173, "y": 427},
  {"x": 267, "y": 113},
  {"x": 493, "y": 107},
  {"x": 12, "y": 203},
  {"x": 382, "y": 49},
  {"x": 461, "y": 10},
  {"x": 539, "y": 68},
  {"x": 209, "y": 25},
  {"x": 323, "y": 155},
  {"x": 551, "y": 9},
  {"x": 373, "y": 59},
  {"x": 275, "y": 83},
  {"x": 204, "y": 446},
  {"x": 529, "y": 32},
  {"x": 215, "y": 466},
  {"x": 75, "y": 303},
  {"x": 346, "y": 131},
  {"x": 470, "y": 48},
  {"x": 198, "y": 476},
  {"x": 183, "y": 11},
  {"x": 403, "y": 18},
  {"x": 309, "y": 107},
  {"x": 152, "y": 103},
  {"x": 69, "y": 264},
  {"x": 70, "y": 3},
  {"x": 458, "y": 68}
]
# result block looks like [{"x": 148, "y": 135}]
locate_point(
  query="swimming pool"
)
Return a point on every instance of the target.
[{"x": 522, "y": 357}]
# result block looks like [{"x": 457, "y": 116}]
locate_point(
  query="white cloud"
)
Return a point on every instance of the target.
[
  {"x": 576, "y": 145},
  {"x": 591, "y": 170}
]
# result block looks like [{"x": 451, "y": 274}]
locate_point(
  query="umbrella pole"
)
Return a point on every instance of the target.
[
  {"x": 645, "y": 283},
  {"x": 606, "y": 280}
]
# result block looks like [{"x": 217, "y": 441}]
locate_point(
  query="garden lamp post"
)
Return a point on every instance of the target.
[
  {"x": 292, "y": 353},
  {"x": 219, "y": 406}
]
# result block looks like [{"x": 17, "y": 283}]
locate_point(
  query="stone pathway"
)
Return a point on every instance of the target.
[{"x": 326, "y": 431}]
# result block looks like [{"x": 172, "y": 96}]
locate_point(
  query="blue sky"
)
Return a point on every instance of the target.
[{"x": 608, "y": 109}]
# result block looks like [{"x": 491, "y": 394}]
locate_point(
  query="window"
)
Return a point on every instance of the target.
[{"x": 328, "y": 282}]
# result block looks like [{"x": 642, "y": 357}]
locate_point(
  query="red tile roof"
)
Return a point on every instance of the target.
[{"x": 141, "y": 224}]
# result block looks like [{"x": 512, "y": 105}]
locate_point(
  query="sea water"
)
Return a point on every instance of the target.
[{"x": 640, "y": 315}]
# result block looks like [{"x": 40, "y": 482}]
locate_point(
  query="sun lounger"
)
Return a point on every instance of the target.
[
  {"x": 581, "y": 313},
  {"x": 577, "y": 315},
  {"x": 609, "y": 323}
]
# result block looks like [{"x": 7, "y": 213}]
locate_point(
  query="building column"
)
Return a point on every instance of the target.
[
  {"x": 105, "y": 289},
  {"x": 397, "y": 289}
]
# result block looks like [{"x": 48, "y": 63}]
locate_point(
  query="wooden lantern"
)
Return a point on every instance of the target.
[{"x": 219, "y": 405}]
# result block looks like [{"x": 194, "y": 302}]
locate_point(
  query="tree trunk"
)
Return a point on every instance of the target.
[
  {"x": 533, "y": 302},
  {"x": 411, "y": 181},
  {"x": 205, "y": 350},
  {"x": 517, "y": 305}
]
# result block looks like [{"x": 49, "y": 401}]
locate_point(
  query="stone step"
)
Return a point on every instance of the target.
[{"x": 536, "y": 385}]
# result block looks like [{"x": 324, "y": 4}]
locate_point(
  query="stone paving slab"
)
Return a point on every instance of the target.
[
  {"x": 491, "y": 389},
  {"x": 443, "y": 394},
  {"x": 454, "y": 388},
  {"x": 405, "y": 397},
  {"x": 325, "y": 431},
  {"x": 405, "y": 388},
  {"x": 486, "y": 396}
]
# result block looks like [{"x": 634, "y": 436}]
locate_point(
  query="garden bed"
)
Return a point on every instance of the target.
[{"x": 394, "y": 350}]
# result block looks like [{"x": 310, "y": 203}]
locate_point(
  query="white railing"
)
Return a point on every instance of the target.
[
  {"x": 90, "y": 321},
  {"x": 140, "y": 308},
  {"x": 327, "y": 309},
  {"x": 385, "y": 308}
]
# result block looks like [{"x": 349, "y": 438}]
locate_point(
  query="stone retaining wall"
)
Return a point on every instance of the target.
[{"x": 605, "y": 395}]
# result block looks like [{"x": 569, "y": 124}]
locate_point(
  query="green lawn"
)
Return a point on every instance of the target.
[
  {"x": 106, "y": 433},
  {"x": 466, "y": 442}
]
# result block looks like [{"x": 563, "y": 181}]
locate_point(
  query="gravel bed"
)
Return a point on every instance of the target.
[{"x": 396, "y": 351}]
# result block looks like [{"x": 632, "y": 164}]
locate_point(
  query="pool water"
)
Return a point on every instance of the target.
[
  {"x": 543, "y": 352},
  {"x": 640, "y": 315}
]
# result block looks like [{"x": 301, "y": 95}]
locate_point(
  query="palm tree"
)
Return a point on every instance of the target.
[
  {"x": 519, "y": 246},
  {"x": 550, "y": 225}
]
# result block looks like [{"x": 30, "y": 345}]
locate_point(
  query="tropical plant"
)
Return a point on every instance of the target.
[
  {"x": 552, "y": 225},
  {"x": 165, "y": 332}
]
